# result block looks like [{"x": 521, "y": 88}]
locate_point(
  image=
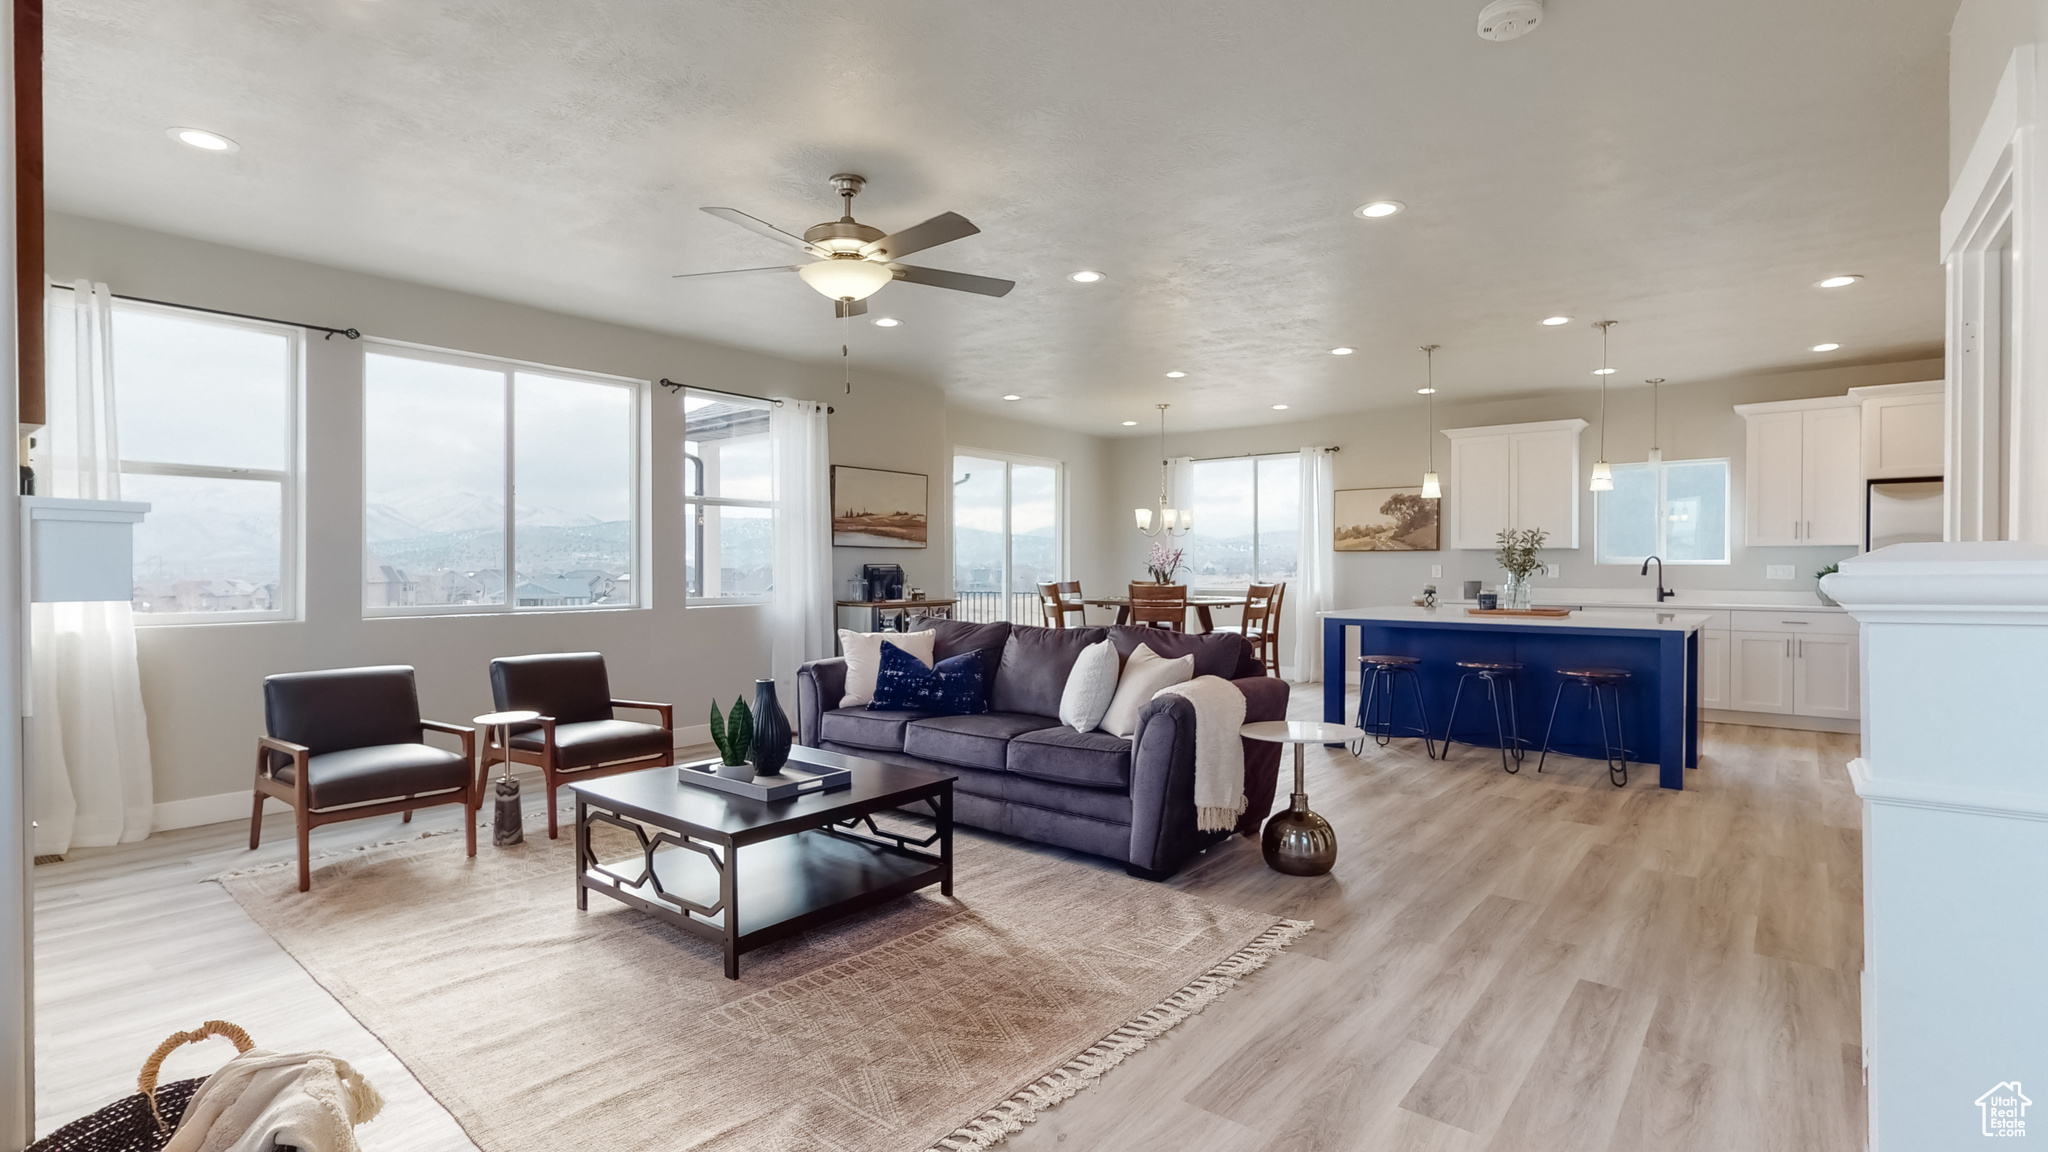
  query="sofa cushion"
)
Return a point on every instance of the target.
[
  {"x": 862, "y": 728},
  {"x": 383, "y": 772},
  {"x": 863, "y": 653},
  {"x": 951, "y": 687},
  {"x": 1035, "y": 666},
  {"x": 957, "y": 636},
  {"x": 1215, "y": 653},
  {"x": 971, "y": 741},
  {"x": 1090, "y": 759},
  {"x": 600, "y": 742}
]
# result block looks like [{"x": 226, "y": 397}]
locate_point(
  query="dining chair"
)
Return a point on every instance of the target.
[
  {"x": 1057, "y": 599},
  {"x": 345, "y": 743},
  {"x": 577, "y": 735},
  {"x": 1160, "y": 606},
  {"x": 1260, "y": 624}
]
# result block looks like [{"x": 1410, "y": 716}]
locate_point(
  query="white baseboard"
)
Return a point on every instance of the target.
[
  {"x": 1780, "y": 720},
  {"x": 194, "y": 811}
]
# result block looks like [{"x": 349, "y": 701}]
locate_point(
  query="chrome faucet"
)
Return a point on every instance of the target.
[{"x": 1663, "y": 593}]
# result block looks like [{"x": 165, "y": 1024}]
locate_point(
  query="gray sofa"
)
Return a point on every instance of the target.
[{"x": 1023, "y": 773}]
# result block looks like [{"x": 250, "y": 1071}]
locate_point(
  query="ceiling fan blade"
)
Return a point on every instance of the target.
[
  {"x": 737, "y": 271},
  {"x": 841, "y": 309},
  {"x": 941, "y": 229},
  {"x": 957, "y": 281},
  {"x": 759, "y": 227}
]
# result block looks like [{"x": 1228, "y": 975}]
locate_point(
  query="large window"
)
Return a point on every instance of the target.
[
  {"x": 1676, "y": 510},
  {"x": 495, "y": 486},
  {"x": 206, "y": 409},
  {"x": 1247, "y": 522},
  {"x": 728, "y": 493},
  {"x": 1007, "y": 534}
]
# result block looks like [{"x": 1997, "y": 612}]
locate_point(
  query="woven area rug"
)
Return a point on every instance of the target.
[{"x": 927, "y": 1023}]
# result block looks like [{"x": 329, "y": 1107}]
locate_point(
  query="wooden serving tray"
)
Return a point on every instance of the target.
[
  {"x": 1553, "y": 613},
  {"x": 794, "y": 780}
]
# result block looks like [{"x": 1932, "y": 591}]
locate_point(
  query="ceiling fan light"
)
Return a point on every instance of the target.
[{"x": 842, "y": 279}]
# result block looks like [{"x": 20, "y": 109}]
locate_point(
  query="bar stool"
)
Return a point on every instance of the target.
[
  {"x": 1378, "y": 676},
  {"x": 1497, "y": 675},
  {"x": 1594, "y": 680}
]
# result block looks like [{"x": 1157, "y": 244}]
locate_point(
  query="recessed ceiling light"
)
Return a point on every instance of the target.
[
  {"x": 1378, "y": 209},
  {"x": 1012, "y": 396},
  {"x": 1604, "y": 371},
  {"x": 1175, "y": 375},
  {"x": 1825, "y": 347},
  {"x": 203, "y": 140},
  {"x": 1554, "y": 321},
  {"x": 1836, "y": 282},
  {"x": 1425, "y": 391},
  {"x": 886, "y": 322},
  {"x": 1342, "y": 351},
  {"x": 1084, "y": 276},
  {"x": 1130, "y": 423},
  {"x": 1279, "y": 407}
]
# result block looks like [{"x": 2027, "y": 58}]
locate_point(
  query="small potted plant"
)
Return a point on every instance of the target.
[
  {"x": 1517, "y": 554},
  {"x": 1165, "y": 562},
  {"x": 734, "y": 735},
  {"x": 1821, "y": 592}
]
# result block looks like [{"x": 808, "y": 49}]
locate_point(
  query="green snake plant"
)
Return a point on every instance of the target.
[{"x": 733, "y": 733}]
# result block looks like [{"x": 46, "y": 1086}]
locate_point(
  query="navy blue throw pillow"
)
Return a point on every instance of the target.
[{"x": 952, "y": 687}]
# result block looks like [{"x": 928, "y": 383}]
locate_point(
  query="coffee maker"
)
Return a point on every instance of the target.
[{"x": 883, "y": 581}]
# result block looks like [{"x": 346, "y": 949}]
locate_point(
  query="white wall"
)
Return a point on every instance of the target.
[
  {"x": 1980, "y": 41},
  {"x": 1384, "y": 447}
]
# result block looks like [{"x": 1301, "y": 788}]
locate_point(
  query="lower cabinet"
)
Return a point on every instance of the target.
[
  {"x": 1760, "y": 671},
  {"x": 1794, "y": 673},
  {"x": 1824, "y": 676},
  {"x": 1714, "y": 668}
]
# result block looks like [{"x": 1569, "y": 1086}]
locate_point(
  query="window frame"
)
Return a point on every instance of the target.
[
  {"x": 639, "y": 392},
  {"x": 290, "y": 479},
  {"x": 1662, "y": 515},
  {"x": 1256, "y": 458},
  {"x": 694, "y": 521},
  {"x": 1061, "y": 512}
]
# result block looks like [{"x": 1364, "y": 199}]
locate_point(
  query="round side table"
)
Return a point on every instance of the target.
[
  {"x": 506, "y": 825},
  {"x": 1297, "y": 841}
]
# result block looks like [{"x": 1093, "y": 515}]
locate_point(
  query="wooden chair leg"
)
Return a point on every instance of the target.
[
  {"x": 407, "y": 818},
  {"x": 305, "y": 851},
  {"x": 256, "y": 824},
  {"x": 551, "y": 805},
  {"x": 469, "y": 807}
]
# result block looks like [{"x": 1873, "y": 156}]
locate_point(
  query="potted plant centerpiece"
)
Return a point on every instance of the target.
[
  {"x": 1165, "y": 562},
  {"x": 1517, "y": 554},
  {"x": 734, "y": 735}
]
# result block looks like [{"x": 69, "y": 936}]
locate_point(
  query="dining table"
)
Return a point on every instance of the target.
[{"x": 1201, "y": 604}]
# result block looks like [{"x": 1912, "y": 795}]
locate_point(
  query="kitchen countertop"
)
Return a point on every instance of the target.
[
  {"x": 1705, "y": 600},
  {"x": 1666, "y": 620}
]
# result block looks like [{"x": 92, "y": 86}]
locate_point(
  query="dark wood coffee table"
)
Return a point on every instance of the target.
[{"x": 807, "y": 861}]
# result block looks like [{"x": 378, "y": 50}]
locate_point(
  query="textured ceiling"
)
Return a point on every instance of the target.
[{"x": 1686, "y": 169}]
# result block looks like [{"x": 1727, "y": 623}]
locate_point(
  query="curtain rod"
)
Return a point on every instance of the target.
[
  {"x": 351, "y": 333},
  {"x": 678, "y": 386},
  {"x": 1251, "y": 455}
]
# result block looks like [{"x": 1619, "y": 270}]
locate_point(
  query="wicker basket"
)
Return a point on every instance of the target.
[{"x": 142, "y": 1122}]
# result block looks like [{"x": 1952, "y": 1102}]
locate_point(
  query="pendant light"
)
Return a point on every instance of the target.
[
  {"x": 1656, "y": 453},
  {"x": 1603, "y": 476},
  {"x": 1432, "y": 489},
  {"x": 1169, "y": 521}
]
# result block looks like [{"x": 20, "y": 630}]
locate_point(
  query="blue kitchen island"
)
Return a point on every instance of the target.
[{"x": 1660, "y": 650}]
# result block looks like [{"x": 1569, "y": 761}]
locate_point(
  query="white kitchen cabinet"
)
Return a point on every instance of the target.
[
  {"x": 1904, "y": 429},
  {"x": 1795, "y": 663},
  {"x": 1760, "y": 671},
  {"x": 1803, "y": 473},
  {"x": 1824, "y": 676},
  {"x": 1514, "y": 476},
  {"x": 1713, "y": 668}
]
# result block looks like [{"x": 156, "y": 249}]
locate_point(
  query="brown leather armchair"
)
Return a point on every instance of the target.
[
  {"x": 346, "y": 743},
  {"x": 577, "y": 734}
]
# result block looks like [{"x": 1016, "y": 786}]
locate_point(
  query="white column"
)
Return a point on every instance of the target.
[{"x": 1954, "y": 781}]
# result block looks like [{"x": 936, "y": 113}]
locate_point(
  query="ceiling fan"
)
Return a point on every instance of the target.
[{"x": 855, "y": 261}]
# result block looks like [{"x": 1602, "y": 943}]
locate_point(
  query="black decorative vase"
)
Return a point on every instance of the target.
[{"x": 771, "y": 730}]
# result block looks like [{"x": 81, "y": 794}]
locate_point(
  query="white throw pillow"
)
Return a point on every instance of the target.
[
  {"x": 1145, "y": 673},
  {"x": 1090, "y": 687},
  {"x": 863, "y": 652}
]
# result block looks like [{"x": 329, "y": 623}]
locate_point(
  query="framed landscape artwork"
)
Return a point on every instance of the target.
[
  {"x": 876, "y": 508},
  {"x": 1386, "y": 520}
]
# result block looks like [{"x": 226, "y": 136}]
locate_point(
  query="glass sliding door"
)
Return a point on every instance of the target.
[{"x": 1007, "y": 535}]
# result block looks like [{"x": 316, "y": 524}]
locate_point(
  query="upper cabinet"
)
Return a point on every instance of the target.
[
  {"x": 1904, "y": 429},
  {"x": 1514, "y": 476},
  {"x": 1803, "y": 472}
]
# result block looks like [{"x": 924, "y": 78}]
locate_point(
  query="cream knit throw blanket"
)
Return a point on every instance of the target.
[
  {"x": 311, "y": 1101},
  {"x": 1219, "y": 751}
]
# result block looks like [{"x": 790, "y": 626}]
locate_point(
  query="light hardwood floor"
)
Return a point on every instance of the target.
[{"x": 1500, "y": 962}]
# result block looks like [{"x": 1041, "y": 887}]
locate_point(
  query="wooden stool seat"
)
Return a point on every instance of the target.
[
  {"x": 1594, "y": 675},
  {"x": 1484, "y": 666},
  {"x": 1390, "y": 661}
]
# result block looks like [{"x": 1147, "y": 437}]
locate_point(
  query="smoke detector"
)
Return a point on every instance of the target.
[{"x": 1509, "y": 19}]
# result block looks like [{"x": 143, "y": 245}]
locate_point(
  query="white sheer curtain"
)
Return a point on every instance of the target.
[
  {"x": 1312, "y": 590},
  {"x": 801, "y": 616},
  {"x": 88, "y": 738}
]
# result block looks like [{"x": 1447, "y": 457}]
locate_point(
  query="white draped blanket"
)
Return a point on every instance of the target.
[{"x": 1219, "y": 750}]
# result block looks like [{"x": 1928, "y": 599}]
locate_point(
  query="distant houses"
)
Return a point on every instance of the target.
[{"x": 389, "y": 586}]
